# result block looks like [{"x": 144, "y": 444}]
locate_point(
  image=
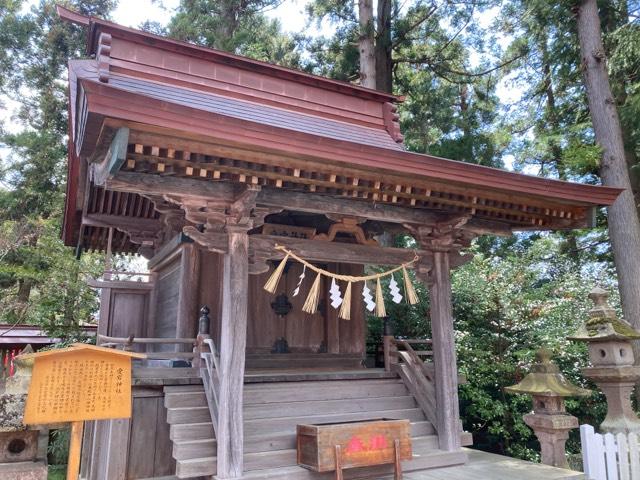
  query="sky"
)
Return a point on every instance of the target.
[{"x": 133, "y": 12}]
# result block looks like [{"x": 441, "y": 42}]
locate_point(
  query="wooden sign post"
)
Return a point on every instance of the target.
[{"x": 79, "y": 383}]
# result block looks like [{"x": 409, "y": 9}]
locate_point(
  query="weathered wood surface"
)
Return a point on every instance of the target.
[
  {"x": 305, "y": 202},
  {"x": 150, "y": 451},
  {"x": 114, "y": 158},
  {"x": 130, "y": 448},
  {"x": 210, "y": 290},
  {"x": 350, "y": 335},
  {"x": 263, "y": 247},
  {"x": 362, "y": 443},
  {"x": 302, "y": 330},
  {"x": 233, "y": 338},
  {"x": 167, "y": 297},
  {"x": 419, "y": 383},
  {"x": 444, "y": 354},
  {"x": 124, "y": 308},
  {"x": 270, "y": 439},
  {"x": 188, "y": 305},
  {"x": 122, "y": 222}
]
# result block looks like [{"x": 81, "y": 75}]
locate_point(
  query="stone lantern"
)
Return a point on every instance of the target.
[
  {"x": 549, "y": 420},
  {"x": 610, "y": 350}
]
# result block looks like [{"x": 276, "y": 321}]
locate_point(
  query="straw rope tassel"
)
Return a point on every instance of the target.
[
  {"x": 409, "y": 289},
  {"x": 272, "y": 283},
  {"x": 311, "y": 303},
  {"x": 380, "y": 310},
  {"x": 345, "y": 308}
]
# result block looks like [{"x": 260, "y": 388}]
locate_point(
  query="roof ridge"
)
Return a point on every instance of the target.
[{"x": 96, "y": 25}]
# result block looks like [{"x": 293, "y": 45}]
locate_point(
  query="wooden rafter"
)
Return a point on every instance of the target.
[{"x": 357, "y": 185}]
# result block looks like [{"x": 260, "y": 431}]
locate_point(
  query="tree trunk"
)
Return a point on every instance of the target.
[
  {"x": 366, "y": 44},
  {"x": 383, "y": 48},
  {"x": 624, "y": 227}
]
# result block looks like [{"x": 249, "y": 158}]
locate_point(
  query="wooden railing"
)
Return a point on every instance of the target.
[
  {"x": 414, "y": 369},
  {"x": 129, "y": 343},
  {"x": 210, "y": 373}
]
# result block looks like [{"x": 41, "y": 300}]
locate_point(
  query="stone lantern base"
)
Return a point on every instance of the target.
[
  {"x": 617, "y": 383},
  {"x": 552, "y": 432}
]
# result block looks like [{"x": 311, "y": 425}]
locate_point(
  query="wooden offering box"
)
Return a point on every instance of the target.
[{"x": 358, "y": 444}]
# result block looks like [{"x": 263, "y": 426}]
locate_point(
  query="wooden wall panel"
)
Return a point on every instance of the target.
[
  {"x": 128, "y": 313},
  {"x": 150, "y": 447},
  {"x": 347, "y": 336},
  {"x": 164, "y": 464},
  {"x": 303, "y": 331},
  {"x": 167, "y": 301},
  {"x": 210, "y": 289},
  {"x": 263, "y": 325},
  {"x": 353, "y": 332}
]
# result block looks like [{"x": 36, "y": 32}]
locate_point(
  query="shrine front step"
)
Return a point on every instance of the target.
[
  {"x": 426, "y": 455},
  {"x": 272, "y": 411}
]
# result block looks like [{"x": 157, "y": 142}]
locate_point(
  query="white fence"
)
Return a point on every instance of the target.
[{"x": 610, "y": 457}]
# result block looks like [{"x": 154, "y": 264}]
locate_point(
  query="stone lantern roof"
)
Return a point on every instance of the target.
[
  {"x": 603, "y": 323},
  {"x": 545, "y": 379}
]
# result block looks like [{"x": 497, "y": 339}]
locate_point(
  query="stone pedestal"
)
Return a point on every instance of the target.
[
  {"x": 552, "y": 431},
  {"x": 617, "y": 383}
]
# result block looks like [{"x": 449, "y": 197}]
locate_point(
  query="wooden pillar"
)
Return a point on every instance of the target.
[
  {"x": 444, "y": 354},
  {"x": 187, "y": 326},
  {"x": 233, "y": 340}
]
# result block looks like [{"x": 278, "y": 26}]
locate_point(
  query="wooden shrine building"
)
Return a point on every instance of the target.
[{"x": 204, "y": 162}]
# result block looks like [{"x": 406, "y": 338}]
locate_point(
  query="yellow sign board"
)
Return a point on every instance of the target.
[{"x": 82, "y": 382}]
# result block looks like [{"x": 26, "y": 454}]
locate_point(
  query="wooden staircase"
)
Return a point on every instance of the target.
[{"x": 271, "y": 415}]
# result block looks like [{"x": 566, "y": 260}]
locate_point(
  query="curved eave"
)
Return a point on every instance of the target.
[{"x": 106, "y": 101}]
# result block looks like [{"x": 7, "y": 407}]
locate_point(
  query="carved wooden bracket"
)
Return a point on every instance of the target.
[
  {"x": 446, "y": 236},
  {"x": 347, "y": 225}
]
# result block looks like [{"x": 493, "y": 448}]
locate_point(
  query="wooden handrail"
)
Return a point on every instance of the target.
[
  {"x": 414, "y": 371},
  {"x": 145, "y": 341},
  {"x": 426, "y": 341},
  {"x": 211, "y": 379}
]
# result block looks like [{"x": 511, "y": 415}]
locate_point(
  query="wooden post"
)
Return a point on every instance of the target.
[
  {"x": 338, "y": 451},
  {"x": 108, "y": 261},
  {"x": 75, "y": 446},
  {"x": 389, "y": 347},
  {"x": 397, "y": 460},
  {"x": 444, "y": 354},
  {"x": 233, "y": 339}
]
